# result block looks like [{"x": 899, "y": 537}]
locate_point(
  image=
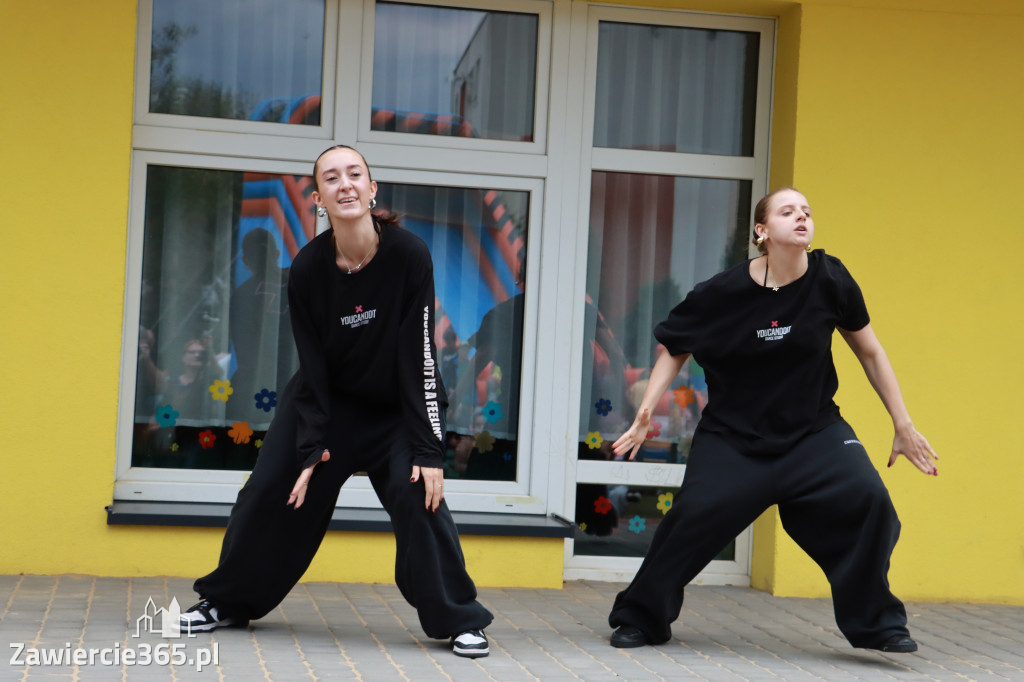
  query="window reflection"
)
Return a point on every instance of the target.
[
  {"x": 215, "y": 342},
  {"x": 676, "y": 89},
  {"x": 477, "y": 238},
  {"x": 620, "y": 521},
  {"x": 446, "y": 71},
  {"x": 259, "y": 60},
  {"x": 652, "y": 237}
]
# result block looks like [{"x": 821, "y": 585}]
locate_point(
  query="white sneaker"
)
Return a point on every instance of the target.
[
  {"x": 203, "y": 617},
  {"x": 470, "y": 644}
]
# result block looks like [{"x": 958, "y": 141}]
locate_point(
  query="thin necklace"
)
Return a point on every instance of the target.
[
  {"x": 765, "y": 283},
  {"x": 367, "y": 255}
]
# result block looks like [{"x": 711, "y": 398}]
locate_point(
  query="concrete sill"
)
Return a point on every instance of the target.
[{"x": 345, "y": 518}]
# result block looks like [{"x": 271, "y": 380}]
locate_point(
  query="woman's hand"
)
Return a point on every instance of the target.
[
  {"x": 912, "y": 445},
  {"x": 433, "y": 481},
  {"x": 631, "y": 440},
  {"x": 298, "y": 494}
]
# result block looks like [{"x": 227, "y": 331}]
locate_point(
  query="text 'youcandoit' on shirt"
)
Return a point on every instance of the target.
[{"x": 430, "y": 379}]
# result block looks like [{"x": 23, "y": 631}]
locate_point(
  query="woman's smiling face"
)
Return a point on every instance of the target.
[{"x": 343, "y": 184}]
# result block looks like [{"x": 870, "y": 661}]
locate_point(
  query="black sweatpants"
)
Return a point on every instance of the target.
[
  {"x": 832, "y": 503},
  {"x": 269, "y": 545}
]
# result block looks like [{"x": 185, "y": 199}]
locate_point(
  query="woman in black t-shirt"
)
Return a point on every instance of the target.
[
  {"x": 368, "y": 396},
  {"x": 772, "y": 434}
]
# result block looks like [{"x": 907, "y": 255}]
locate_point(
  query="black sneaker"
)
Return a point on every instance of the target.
[
  {"x": 897, "y": 644},
  {"x": 204, "y": 617},
  {"x": 470, "y": 644},
  {"x": 628, "y": 637}
]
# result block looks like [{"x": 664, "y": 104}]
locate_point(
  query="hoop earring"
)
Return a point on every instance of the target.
[
  {"x": 322, "y": 212},
  {"x": 373, "y": 203},
  {"x": 759, "y": 240}
]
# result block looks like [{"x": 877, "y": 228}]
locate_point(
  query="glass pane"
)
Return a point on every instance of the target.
[
  {"x": 652, "y": 237},
  {"x": 477, "y": 238},
  {"x": 215, "y": 342},
  {"x": 259, "y": 60},
  {"x": 460, "y": 72},
  {"x": 676, "y": 89},
  {"x": 620, "y": 521}
]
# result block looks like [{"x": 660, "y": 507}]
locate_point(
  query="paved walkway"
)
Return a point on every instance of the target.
[{"x": 329, "y": 631}]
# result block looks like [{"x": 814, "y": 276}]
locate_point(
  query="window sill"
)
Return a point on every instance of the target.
[{"x": 345, "y": 518}]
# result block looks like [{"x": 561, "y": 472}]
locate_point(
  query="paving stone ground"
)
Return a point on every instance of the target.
[{"x": 333, "y": 631}]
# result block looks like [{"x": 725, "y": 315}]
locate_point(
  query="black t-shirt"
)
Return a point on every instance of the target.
[
  {"x": 767, "y": 354},
  {"x": 368, "y": 338}
]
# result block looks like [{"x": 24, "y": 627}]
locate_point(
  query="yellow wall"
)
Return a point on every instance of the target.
[
  {"x": 909, "y": 144},
  {"x": 901, "y": 125}
]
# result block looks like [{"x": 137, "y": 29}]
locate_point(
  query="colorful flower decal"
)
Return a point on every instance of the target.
[
  {"x": 258, "y": 443},
  {"x": 484, "y": 441},
  {"x": 266, "y": 400},
  {"x": 603, "y": 407},
  {"x": 583, "y": 527},
  {"x": 594, "y": 440},
  {"x": 637, "y": 524},
  {"x": 240, "y": 432},
  {"x": 683, "y": 396},
  {"x": 166, "y": 416},
  {"x": 221, "y": 390},
  {"x": 655, "y": 430},
  {"x": 207, "y": 439},
  {"x": 602, "y": 505},
  {"x": 492, "y": 412},
  {"x": 665, "y": 502},
  {"x": 174, "y": 447}
]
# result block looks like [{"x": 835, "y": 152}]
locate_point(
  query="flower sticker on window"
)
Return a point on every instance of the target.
[
  {"x": 266, "y": 400},
  {"x": 683, "y": 396},
  {"x": 602, "y": 505},
  {"x": 166, "y": 416},
  {"x": 655, "y": 430},
  {"x": 603, "y": 407},
  {"x": 258, "y": 443},
  {"x": 583, "y": 526},
  {"x": 207, "y": 439},
  {"x": 637, "y": 524},
  {"x": 484, "y": 441},
  {"x": 492, "y": 412},
  {"x": 240, "y": 432},
  {"x": 665, "y": 502},
  {"x": 221, "y": 390},
  {"x": 174, "y": 447},
  {"x": 594, "y": 440}
]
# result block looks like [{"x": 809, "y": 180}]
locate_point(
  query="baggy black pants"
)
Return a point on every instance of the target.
[
  {"x": 832, "y": 503},
  {"x": 269, "y": 545}
]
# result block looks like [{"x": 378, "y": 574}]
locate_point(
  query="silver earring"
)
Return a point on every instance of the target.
[
  {"x": 322, "y": 212},
  {"x": 373, "y": 203}
]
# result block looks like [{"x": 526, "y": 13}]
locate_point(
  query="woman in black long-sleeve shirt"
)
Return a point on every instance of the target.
[{"x": 368, "y": 397}]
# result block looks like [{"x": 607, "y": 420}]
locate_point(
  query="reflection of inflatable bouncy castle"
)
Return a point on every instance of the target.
[{"x": 474, "y": 242}]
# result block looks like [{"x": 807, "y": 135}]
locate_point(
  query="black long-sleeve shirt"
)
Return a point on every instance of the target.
[{"x": 367, "y": 338}]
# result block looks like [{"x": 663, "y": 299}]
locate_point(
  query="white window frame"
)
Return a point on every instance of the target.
[
  {"x": 541, "y": 85},
  {"x": 555, "y": 168},
  {"x": 203, "y": 485},
  {"x": 584, "y": 30},
  {"x": 143, "y": 62}
]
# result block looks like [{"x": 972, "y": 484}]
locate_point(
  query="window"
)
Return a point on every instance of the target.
[
  {"x": 447, "y": 71},
  {"x": 256, "y": 60},
  {"x": 573, "y": 169},
  {"x": 674, "y": 167}
]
